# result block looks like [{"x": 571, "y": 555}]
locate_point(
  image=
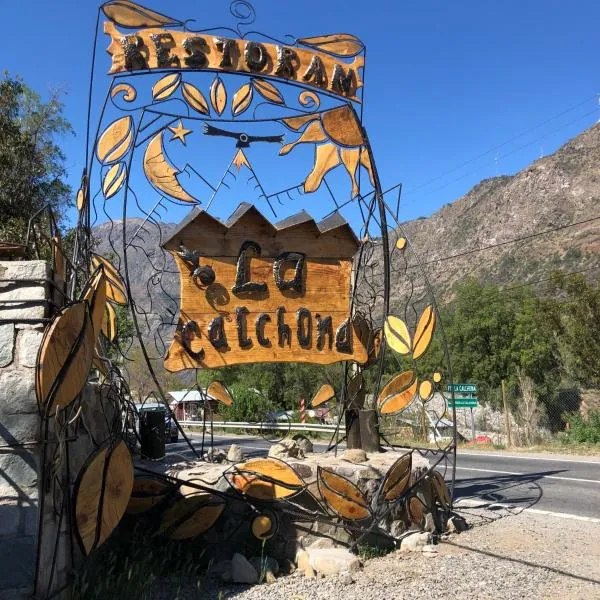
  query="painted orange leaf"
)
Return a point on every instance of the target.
[
  {"x": 398, "y": 393},
  {"x": 268, "y": 91},
  {"x": 109, "y": 323},
  {"x": 115, "y": 286},
  {"x": 113, "y": 180},
  {"x": 397, "y": 335},
  {"x": 342, "y": 496},
  {"x": 241, "y": 99},
  {"x": 115, "y": 141},
  {"x": 338, "y": 44},
  {"x": 131, "y": 15},
  {"x": 324, "y": 393},
  {"x": 146, "y": 494},
  {"x": 219, "y": 392},
  {"x": 165, "y": 86},
  {"x": 397, "y": 478},
  {"x": 424, "y": 332},
  {"x": 218, "y": 95},
  {"x": 416, "y": 510},
  {"x": 191, "y": 515},
  {"x": 441, "y": 489},
  {"x": 425, "y": 389},
  {"x": 195, "y": 98},
  {"x": 266, "y": 479},
  {"x": 94, "y": 293}
]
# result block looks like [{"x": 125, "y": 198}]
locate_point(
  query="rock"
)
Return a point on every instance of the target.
[
  {"x": 355, "y": 455},
  {"x": 346, "y": 579},
  {"x": 265, "y": 563},
  {"x": 270, "y": 577},
  {"x": 287, "y": 448},
  {"x": 321, "y": 543},
  {"x": 305, "y": 471},
  {"x": 302, "y": 560},
  {"x": 242, "y": 571},
  {"x": 429, "y": 549},
  {"x": 287, "y": 567},
  {"x": 221, "y": 567},
  {"x": 415, "y": 542},
  {"x": 456, "y": 524},
  {"x": 7, "y": 343},
  {"x": 397, "y": 528},
  {"x": 28, "y": 343},
  {"x": 215, "y": 456},
  {"x": 332, "y": 561},
  {"x": 471, "y": 503},
  {"x": 235, "y": 454},
  {"x": 304, "y": 443}
]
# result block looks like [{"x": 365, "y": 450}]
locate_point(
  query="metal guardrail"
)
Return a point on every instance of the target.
[{"x": 271, "y": 426}]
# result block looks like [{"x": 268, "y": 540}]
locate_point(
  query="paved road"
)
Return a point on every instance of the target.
[{"x": 569, "y": 485}]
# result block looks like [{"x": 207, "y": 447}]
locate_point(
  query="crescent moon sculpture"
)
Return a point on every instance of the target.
[{"x": 161, "y": 174}]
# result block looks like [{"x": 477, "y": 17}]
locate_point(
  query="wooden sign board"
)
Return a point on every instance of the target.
[{"x": 256, "y": 292}]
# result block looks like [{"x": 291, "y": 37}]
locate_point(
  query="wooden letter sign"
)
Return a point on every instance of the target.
[{"x": 256, "y": 292}]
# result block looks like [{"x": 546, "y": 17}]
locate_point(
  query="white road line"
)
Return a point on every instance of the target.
[
  {"x": 544, "y": 458},
  {"x": 550, "y": 513},
  {"x": 540, "y": 476}
]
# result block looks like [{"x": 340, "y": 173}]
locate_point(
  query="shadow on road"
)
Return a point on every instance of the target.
[{"x": 522, "y": 491}]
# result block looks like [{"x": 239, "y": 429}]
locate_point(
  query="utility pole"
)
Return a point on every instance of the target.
[{"x": 506, "y": 417}]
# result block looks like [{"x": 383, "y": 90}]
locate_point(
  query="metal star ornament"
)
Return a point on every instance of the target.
[{"x": 179, "y": 132}]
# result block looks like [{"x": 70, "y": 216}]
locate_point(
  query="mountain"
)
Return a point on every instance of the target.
[{"x": 552, "y": 192}]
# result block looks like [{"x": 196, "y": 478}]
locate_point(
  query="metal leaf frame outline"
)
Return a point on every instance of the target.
[{"x": 115, "y": 169}]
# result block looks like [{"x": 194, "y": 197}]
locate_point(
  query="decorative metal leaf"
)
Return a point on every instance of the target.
[
  {"x": 65, "y": 357},
  {"x": 424, "y": 332},
  {"x": 441, "y": 490},
  {"x": 130, "y": 15},
  {"x": 396, "y": 334},
  {"x": 219, "y": 392},
  {"x": 401, "y": 243},
  {"x": 195, "y": 98},
  {"x": 102, "y": 492},
  {"x": 338, "y": 44},
  {"x": 100, "y": 363},
  {"x": 416, "y": 510},
  {"x": 425, "y": 389},
  {"x": 268, "y": 91},
  {"x": 262, "y": 527},
  {"x": 129, "y": 92},
  {"x": 326, "y": 158},
  {"x": 324, "y": 393},
  {"x": 146, "y": 494},
  {"x": 165, "y": 86},
  {"x": 309, "y": 99},
  {"x": 266, "y": 479},
  {"x": 342, "y": 496},
  {"x": 80, "y": 199},
  {"x": 113, "y": 180},
  {"x": 398, "y": 392},
  {"x": 116, "y": 290},
  {"x": 115, "y": 141},
  {"x": 94, "y": 293},
  {"x": 397, "y": 479},
  {"x": 109, "y": 323},
  {"x": 191, "y": 516},
  {"x": 218, "y": 95},
  {"x": 241, "y": 100}
]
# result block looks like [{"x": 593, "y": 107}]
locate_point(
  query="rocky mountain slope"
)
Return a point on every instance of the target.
[{"x": 552, "y": 192}]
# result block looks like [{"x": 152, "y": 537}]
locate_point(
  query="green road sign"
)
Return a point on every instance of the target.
[
  {"x": 463, "y": 403},
  {"x": 470, "y": 388}
]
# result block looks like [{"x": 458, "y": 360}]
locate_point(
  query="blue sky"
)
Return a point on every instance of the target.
[{"x": 445, "y": 81}]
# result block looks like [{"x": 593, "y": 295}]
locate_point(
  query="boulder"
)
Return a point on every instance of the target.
[
  {"x": 242, "y": 571},
  {"x": 304, "y": 443},
  {"x": 214, "y": 455},
  {"x": 415, "y": 542},
  {"x": 235, "y": 454},
  {"x": 287, "y": 448},
  {"x": 333, "y": 561},
  {"x": 355, "y": 456},
  {"x": 265, "y": 563}
]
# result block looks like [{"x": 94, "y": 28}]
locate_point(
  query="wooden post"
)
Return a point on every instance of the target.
[{"x": 506, "y": 417}]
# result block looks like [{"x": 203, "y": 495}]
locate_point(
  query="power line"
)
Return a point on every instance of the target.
[
  {"x": 505, "y": 143},
  {"x": 506, "y": 242}
]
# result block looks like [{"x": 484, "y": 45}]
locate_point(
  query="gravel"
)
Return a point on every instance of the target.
[{"x": 505, "y": 555}]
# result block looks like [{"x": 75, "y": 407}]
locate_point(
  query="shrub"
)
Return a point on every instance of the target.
[{"x": 582, "y": 430}]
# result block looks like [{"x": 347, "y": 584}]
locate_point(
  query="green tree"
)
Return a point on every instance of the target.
[{"x": 32, "y": 167}]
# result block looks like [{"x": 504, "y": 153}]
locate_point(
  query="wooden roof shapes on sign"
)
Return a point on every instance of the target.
[
  {"x": 331, "y": 238},
  {"x": 254, "y": 291}
]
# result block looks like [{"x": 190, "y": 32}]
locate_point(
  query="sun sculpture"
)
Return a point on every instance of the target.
[{"x": 286, "y": 278}]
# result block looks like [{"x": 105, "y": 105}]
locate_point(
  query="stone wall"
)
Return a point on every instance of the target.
[{"x": 23, "y": 309}]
